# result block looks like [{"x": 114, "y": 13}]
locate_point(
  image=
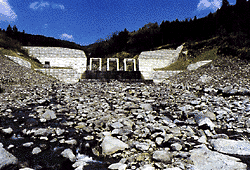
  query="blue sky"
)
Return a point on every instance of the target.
[{"x": 85, "y": 21}]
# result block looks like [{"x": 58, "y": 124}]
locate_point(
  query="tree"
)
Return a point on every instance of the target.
[
  {"x": 240, "y": 2},
  {"x": 225, "y": 3},
  {"x": 15, "y": 30}
]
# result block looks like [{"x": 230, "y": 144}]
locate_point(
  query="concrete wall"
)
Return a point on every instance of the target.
[
  {"x": 19, "y": 61},
  {"x": 150, "y": 60},
  {"x": 64, "y": 75},
  {"x": 60, "y": 57}
]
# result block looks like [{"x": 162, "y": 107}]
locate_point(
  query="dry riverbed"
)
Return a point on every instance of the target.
[{"x": 195, "y": 120}]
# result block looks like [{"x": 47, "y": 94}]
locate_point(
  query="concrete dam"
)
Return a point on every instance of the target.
[{"x": 71, "y": 64}]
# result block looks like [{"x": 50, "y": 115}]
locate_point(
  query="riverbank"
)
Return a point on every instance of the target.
[{"x": 128, "y": 125}]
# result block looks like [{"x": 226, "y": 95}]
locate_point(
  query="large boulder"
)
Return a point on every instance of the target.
[
  {"x": 162, "y": 156},
  {"x": 48, "y": 115},
  {"x": 111, "y": 145},
  {"x": 6, "y": 158},
  {"x": 68, "y": 153},
  {"x": 205, "y": 159},
  {"x": 227, "y": 146}
]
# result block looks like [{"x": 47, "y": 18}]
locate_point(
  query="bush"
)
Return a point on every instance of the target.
[{"x": 228, "y": 51}]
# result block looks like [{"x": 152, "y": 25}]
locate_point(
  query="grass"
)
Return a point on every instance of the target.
[
  {"x": 34, "y": 64},
  {"x": 197, "y": 51}
]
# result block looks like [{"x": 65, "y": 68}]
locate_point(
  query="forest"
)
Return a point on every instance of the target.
[{"x": 229, "y": 19}]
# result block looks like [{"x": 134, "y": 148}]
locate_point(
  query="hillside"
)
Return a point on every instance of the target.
[{"x": 45, "y": 124}]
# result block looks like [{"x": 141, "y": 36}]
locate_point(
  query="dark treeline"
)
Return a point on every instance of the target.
[
  {"x": 38, "y": 40},
  {"x": 228, "y": 19}
]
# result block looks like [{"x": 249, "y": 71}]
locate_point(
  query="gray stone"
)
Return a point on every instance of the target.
[
  {"x": 222, "y": 136},
  {"x": 42, "y": 131},
  {"x": 36, "y": 150},
  {"x": 163, "y": 156},
  {"x": 205, "y": 78},
  {"x": 28, "y": 144},
  {"x": 117, "y": 125},
  {"x": 88, "y": 137},
  {"x": 6, "y": 158},
  {"x": 142, "y": 146},
  {"x": 71, "y": 142},
  {"x": 111, "y": 145},
  {"x": 159, "y": 140},
  {"x": 67, "y": 153},
  {"x": 7, "y": 130},
  {"x": 147, "y": 167},
  {"x": 146, "y": 106},
  {"x": 233, "y": 147},
  {"x": 202, "y": 120},
  {"x": 48, "y": 115},
  {"x": 176, "y": 146},
  {"x": 205, "y": 159},
  {"x": 119, "y": 166},
  {"x": 175, "y": 168},
  {"x": 59, "y": 131}
]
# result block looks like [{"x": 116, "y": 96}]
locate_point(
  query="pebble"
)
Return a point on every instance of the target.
[{"x": 36, "y": 150}]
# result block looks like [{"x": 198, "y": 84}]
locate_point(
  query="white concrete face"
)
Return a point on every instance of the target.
[
  {"x": 96, "y": 59},
  {"x": 64, "y": 75},
  {"x": 150, "y": 60},
  {"x": 113, "y": 59},
  {"x": 78, "y": 64},
  {"x": 130, "y": 60},
  {"x": 60, "y": 57}
]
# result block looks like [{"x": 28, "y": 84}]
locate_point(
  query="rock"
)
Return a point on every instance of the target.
[
  {"x": 210, "y": 115},
  {"x": 42, "y": 132},
  {"x": 227, "y": 146},
  {"x": 48, "y": 115},
  {"x": 222, "y": 136},
  {"x": 88, "y": 137},
  {"x": 59, "y": 131},
  {"x": 147, "y": 167},
  {"x": 214, "y": 160},
  {"x": 205, "y": 79},
  {"x": 111, "y": 145},
  {"x": 28, "y": 144},
  {"x": 81, "y": 161},
  {"x": 163, "y": 156},
  {"x": 11, "y": 146},
  {"x": 67, "y": 153},
  {"x": 119, "y": 166},
  {"x": 146, "y": 106},
  {"x": 142, "y": 146},
  {"x": 26, "y": 169},
  {"x": 36, "y": 150},
  {"x": 175, "y": 168},
  {"x": 176, "y": 146},
  {"x": 202, "y": 120},
  {"x": 7, "y": 131},
  {"x": 159, "y": 140},
  {"x": 71, "y": 142},
  {"x": 6, "y": 158},
  {"x": 117, "y": 125}
]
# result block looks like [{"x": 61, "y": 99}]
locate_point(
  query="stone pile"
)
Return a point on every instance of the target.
[{"x": 197, "y": 120}]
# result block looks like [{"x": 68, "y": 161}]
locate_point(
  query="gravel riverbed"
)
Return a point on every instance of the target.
[{"x": 195, "y": 120}]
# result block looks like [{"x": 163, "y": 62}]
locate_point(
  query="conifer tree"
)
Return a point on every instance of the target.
[{"x": 225, "y": 3}]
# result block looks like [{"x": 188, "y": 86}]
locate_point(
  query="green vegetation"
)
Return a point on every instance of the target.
[
  {"x": 234, "y": 45},
  {"x": 183, "y": 61}
]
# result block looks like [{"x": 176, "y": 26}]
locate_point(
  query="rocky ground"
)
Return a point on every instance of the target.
[{"x": 195, "y": 120}]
